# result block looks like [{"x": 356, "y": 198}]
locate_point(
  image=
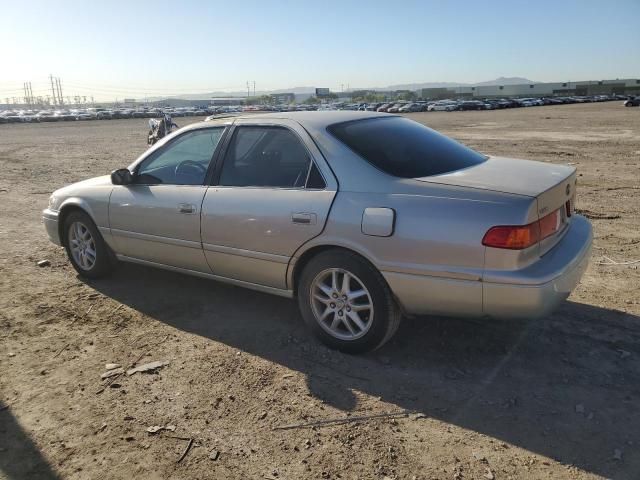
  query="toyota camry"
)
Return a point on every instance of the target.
[{"x": 363, "y": 217}]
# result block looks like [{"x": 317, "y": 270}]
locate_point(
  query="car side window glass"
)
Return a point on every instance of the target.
[
  {"x": 183, "y": 162},
  {"x": 265, "y": 157}
]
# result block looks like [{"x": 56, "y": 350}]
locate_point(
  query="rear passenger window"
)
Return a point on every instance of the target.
[
  {"x": 266, "y": 157},
  {"x": 404, "y": 148}
]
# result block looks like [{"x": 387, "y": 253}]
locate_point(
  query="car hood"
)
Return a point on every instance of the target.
[
  {"x": 507, "y": 175},
  {"x": 104, "y": 180}
]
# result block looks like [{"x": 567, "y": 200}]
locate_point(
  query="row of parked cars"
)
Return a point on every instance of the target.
[
  {"x": 96, "y": 113},
  {"x": 485, "y": 104},
  {"x": 29, "y": 116}
]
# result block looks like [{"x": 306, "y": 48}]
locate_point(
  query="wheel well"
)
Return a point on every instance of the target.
[
  {"x": 62, "y": 216},
  {"x": 306, "y": 257}
]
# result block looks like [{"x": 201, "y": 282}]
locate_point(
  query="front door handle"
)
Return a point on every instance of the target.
[
  {"x": 304, "y": 218},
  {"x": 186, "y": 208}
]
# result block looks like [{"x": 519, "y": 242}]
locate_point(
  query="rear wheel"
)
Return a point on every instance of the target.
[
  {"x": 85, "y": 247},
  {"x": 347, "y": 303}
]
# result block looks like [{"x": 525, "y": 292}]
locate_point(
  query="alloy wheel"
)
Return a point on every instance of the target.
[{"x": 341, "y": 304}]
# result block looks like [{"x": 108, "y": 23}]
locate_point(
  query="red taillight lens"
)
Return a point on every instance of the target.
[
  {"x": 519, "y": 237},
  {"x": 515, "y": 237},
  {"x": 550, "y": 224}
]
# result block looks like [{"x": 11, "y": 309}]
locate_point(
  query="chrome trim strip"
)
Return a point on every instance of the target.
[
  {"x": 210, "y": 276},
  {"x": 154, "y": 238},
  {"x": 50, "y": 214},
  {"x": 435, "y": 271},
  {"x": 270, "y": 257}
]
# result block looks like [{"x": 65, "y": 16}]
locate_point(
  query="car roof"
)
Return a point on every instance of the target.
[{"x": 314, "y": 120}]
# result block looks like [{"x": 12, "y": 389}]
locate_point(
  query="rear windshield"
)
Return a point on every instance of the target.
[{"x": 404, "y": 148}]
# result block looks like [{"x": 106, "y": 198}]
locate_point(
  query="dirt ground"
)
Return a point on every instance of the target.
[{"x": 555, "y": 398}]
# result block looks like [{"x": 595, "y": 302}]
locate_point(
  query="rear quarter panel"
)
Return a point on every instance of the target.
[{"x": 437, "y": 237}]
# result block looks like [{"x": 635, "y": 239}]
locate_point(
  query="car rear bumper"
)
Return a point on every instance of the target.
[
  {"x": 50, "y": 221},
  {"x": 532, "y": 292},
  {"x": 537, "y": 290}
]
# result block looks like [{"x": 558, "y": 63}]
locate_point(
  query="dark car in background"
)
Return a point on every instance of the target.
[{"x": 632, "y": 102}]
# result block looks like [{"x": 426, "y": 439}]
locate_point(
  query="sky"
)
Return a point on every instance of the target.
[{"x": 116, "y": 49}]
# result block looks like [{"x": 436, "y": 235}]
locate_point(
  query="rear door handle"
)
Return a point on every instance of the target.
[
  {"x": 186, "y": 208},
  {"x": 304, "y": 218}
]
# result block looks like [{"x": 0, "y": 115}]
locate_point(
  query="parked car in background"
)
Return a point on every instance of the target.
[
  {"x": 443, "y": 106},
  {"x": 471, "y": 105},
  {"x": 632, "y": 102},
  {"x": 410, "y": 107},
  {"x": 360, "y": 216}
]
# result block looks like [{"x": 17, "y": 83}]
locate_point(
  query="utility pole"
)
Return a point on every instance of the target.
[
  {"x": 254, "y": 88},
  {"x": 26, "y": 95},
  {"x": 248, "y": 92},
  {"x": 53, "y": 92},
  {"x": 31, "y": 94},
  {"x": 59, "y": 84}
]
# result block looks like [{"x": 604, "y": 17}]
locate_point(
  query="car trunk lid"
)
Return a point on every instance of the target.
[{"x": 553, "y": 186}]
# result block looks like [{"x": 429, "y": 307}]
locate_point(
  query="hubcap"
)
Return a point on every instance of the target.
[
  {"x": 82, "y": 246},
  {"x": 341, "y": 304}
]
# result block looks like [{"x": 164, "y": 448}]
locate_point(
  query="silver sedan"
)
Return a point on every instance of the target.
[{"x": 363, "y": 217}]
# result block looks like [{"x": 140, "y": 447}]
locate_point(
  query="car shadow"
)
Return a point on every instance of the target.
[
  {"x": 20, "y": 458},
  {"x": 566, "y": 387}
]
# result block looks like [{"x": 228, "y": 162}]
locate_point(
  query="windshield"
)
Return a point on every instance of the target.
[{"x": 404, "y": 148}]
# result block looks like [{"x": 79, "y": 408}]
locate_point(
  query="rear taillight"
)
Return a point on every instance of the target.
[{"x": 519, "y": 237}]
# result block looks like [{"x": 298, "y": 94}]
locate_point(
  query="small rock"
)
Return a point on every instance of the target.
[
  {"x": 214, "y": 455},
  {"x": 262, "y": 416},
  {"x": 489, "y": 474},
  {"x": 43, "y": 263},
  {"x": 617, "y": 454},
  {"x": 111, "y": 366},
  {"x": 148, "y": 367},
  {"x": 579, "y": 408},
  {"x": 157, "y": 428},
  {"x": 11, "y": 354},
  {"x": 112, "y": 373},
  {"x": 288, "y": 375}
]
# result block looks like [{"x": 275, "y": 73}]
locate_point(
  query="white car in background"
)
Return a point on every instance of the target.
[{"x": 444, "y": 106}]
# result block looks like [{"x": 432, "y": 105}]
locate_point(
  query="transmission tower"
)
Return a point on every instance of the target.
[
  {"x": 53, "y": 91},
  {"x": 59, "y": 85}
]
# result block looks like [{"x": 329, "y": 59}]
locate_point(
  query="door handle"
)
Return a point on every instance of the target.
[
  {"x": 304, "y": 218},
  {"x": 186, "y": 208}
]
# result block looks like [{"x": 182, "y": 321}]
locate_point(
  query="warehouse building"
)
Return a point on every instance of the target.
[{"x": 590, "y": 87}]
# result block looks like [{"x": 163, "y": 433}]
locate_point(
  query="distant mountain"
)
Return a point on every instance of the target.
[{"x": 505, "y": 81}]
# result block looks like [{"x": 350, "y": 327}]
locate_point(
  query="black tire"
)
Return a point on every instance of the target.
[
  {"x": 104, "y": 263},
  {"x": 386, "y": 313}
]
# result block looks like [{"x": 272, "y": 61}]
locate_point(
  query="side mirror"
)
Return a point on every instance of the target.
[{"x": 122, "y": 176}]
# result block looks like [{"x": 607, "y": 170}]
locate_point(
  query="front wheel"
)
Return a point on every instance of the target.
[
  {"x": 347, "y": 303},
  {"x": 85, "y": 247}
]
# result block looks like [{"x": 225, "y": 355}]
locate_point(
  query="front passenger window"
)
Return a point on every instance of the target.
[{"x": 182, "y": 162}]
